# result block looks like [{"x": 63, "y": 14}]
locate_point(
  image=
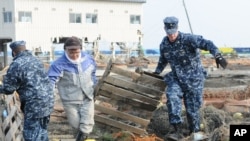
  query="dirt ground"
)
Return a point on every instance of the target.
[{"x": 225, "y": 90}]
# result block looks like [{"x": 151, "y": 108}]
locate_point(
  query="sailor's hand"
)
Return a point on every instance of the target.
[
  {"x": 156, "y": 73},
  {"x": 220, "y": 61}
]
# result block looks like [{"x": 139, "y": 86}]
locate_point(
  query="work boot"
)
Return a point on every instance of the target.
[
  {"x": 177, "y": 135},
  {"x": 81, "y": 136}
]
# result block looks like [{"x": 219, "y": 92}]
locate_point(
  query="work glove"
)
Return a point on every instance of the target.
[
  {"x": 220, "y": 61},
  {"x": 156, "y": 73}
]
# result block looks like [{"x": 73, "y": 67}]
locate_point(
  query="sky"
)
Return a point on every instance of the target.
[{"x": 225, "y": 22}]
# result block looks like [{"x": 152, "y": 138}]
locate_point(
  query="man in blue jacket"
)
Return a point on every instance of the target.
[
  {"x": 187, "y": 76},
  {"x": 74, "y": 75},
  {"x": 27, "y": 76}
]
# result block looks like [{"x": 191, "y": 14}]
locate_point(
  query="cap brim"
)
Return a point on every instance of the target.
[{"x": 171, "y": 31}]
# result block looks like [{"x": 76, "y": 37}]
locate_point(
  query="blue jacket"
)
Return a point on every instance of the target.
[
  {"x": 27, "y": 76},
  {"x": 74, "y": 79}
]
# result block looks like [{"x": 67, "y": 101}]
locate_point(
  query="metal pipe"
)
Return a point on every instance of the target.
[{"x": 187, "y": 17}]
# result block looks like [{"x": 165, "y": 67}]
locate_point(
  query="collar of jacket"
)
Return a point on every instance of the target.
[{"x": 22, "y": 53}]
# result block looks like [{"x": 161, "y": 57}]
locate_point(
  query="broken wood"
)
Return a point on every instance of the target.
[
  {"x": 120, "y": 125},
  {"x": 11, "y": 125},
  {"x": 127, "y": 93}
]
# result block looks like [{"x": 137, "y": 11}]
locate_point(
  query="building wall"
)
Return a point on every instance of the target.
[
  {"x": 50, "y": 19},
  {"x": 6, "y": 29}
]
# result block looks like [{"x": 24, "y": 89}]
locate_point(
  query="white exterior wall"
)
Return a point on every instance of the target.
[
  {"x": 7, "y": 30},
  {"x": 50, "y": 18}
]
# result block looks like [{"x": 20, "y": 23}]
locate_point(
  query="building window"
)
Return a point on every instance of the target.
[
  {"x": 91, "y": 18},
  {"x": 7, "y": 17},
  {"x": 75, "y": 18},
  {"x": 24, "y": 16},
  {"x": 135, "y": 19}
]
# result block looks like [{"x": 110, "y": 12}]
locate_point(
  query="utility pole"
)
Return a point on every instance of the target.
[{"x": 187, "y": 16}]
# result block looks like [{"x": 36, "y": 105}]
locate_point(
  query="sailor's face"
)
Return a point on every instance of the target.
[{"x": 172, "y": 37}]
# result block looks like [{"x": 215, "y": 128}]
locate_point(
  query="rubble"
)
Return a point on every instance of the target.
[{"x": 226, "y": 102}]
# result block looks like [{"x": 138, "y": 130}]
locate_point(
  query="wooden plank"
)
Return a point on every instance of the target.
[
  {"x": 116, "y": 98},
  {"x": 8, "y": 119},
  {"x": 19, "y": 137},
  {"x": 131, "y": 95},
  {"x": 10, "y": 101},
  {"x": 126, "y": 73},
  {"x": 105, "y": 74},
  {"x": 152, "y": 82},
  {"x": 13, "y": 121},
  {"x": 122, "y": 115},
  {"x": 66, "y": 140},
  {"x": 236, "y": 74},
  {"x": 134, "y": 87},
  {"x": 1, "y": 123},
  {"x": 120, "y": 125},
  {"x": 1, "y": 135},
  {"x": 13, "y": 130}
]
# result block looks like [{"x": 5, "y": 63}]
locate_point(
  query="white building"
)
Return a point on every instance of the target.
[{"x": 42, "y": 22}]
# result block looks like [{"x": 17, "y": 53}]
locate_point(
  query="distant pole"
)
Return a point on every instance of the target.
[{"x": 187, "y": 16}]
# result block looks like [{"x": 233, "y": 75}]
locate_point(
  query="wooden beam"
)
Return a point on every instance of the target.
[
  {"x": 8, "y": 119},
  {"x": 143, "y": 90},
  {"x": 120, "y": 125},
  {"x": 105, "y": 74},
  {"x": 126, "y": 73},
  {"x": 122, "y": 115},
  {"x": 13, "y": 130},
  {"x": 147, "y": 80},
  {"x": 150, "y": 99},
  {"x": 117, "y": 98}
]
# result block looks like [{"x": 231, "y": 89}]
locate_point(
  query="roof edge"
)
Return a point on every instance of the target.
[{"x": 132, "y": 1}]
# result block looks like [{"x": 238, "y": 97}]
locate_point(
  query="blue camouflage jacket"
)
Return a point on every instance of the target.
[
  {"x": 183, "y": 55},
  {"x": 26, "y": 75}
]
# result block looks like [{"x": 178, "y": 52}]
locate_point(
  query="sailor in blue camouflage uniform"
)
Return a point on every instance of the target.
[
  {"x": 27, "y": 76},
  {"x": 186, "y": 78},
  {"x": 74, "y": 74}
]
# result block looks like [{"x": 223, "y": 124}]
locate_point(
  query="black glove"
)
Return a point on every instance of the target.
[
  {"x": 156, "y": 73},
  {"x": 220, "y": 61}
]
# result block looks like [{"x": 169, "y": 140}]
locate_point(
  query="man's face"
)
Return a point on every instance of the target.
[
  {"x": 172, "y": 37},
  {"x": 73, "y": 53}
]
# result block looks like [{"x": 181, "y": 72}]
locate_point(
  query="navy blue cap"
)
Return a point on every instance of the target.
[
  {"x": 171, "y": 25},
  {"x": 17, "y": 44}
]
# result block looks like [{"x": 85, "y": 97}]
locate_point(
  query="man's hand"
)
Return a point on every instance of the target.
[
  {"x": 156, "y": 73},
  {"x": 220, "y": 61}
]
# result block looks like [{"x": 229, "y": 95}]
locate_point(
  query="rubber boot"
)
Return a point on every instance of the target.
[
  {"x": 81, "y": 136},
  {"x": 177, "y": 135}
]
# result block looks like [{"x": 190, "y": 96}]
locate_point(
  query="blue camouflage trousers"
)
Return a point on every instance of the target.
[
  {"x": 192, "y": 98},
  {"x": 35, "y": 129}
]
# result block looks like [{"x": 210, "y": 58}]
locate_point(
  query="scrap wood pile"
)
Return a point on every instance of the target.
[
  {"x": 129, "y": 101},
  {"x": 226, "y": 101}
]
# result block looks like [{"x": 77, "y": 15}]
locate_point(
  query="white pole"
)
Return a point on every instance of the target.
[{"x": 187, "y": 17}]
